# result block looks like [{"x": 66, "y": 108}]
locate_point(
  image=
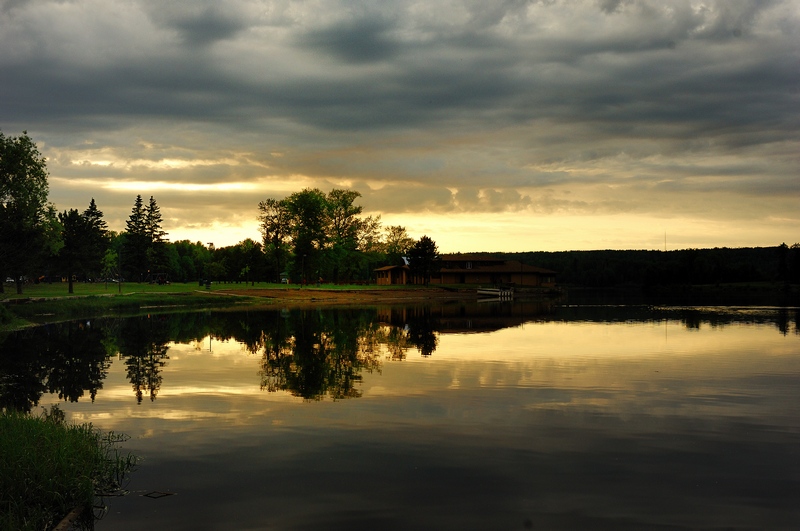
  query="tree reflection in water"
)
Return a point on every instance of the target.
[
  {"x": 314, "y": 353},
  {"x": 309, "y": 353},
  {"x": 66, "y": 359},
  {"x": 142, "y": 344}
]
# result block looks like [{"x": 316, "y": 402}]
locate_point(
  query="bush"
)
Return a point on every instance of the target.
[{"x": 5, "y": 316}]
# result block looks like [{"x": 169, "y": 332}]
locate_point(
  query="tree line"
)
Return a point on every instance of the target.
[
  {"x": 641, "y": 268},
  {"x": 308, "y": 236}
]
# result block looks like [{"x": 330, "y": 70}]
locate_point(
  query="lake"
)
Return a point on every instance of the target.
[{"x": 456, "y": 416}]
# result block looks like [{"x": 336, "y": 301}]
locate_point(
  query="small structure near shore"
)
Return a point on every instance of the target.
[{"x": 503, "y": 293}]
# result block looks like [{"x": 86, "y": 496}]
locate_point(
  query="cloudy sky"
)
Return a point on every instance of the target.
[{"x": 505, "y": 125}]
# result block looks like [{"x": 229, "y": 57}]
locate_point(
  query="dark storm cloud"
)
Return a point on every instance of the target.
[
  {"x": 435, "y": 73},
  {"x": 357, "y": 41},
  {"x": 199, "y": 24},
  {"x": 485, "y": 106}
]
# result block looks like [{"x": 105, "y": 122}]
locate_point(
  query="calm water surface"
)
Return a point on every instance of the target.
[{"x": 478, "y": 416}]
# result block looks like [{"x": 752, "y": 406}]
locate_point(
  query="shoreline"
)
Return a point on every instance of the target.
[
  {"x": 20, "y": 313},
  {"x": 44, "y": 308},
  {"x": 327, "y": 297}
]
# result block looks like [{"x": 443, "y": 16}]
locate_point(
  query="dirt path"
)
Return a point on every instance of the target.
[{"x": 318, "y": 296}]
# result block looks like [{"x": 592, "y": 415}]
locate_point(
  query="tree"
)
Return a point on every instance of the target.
[
  {"x": 276, "y": 229},
  {"x": 370, "y": 246},
  {"x": 794, "y": 263},
  {"x": 424, "y": 259},
  {"x": 145, "y": 247},
  {"x": 783, "y": 262},
  {"x": 156, "y": 252},
  {"x": 137, "y": 241},
  {"x": 253, "y": 256},
  {"x": 324, "y": 233},
  {"x": 343, "y": 230},
  {"x": 308, "y": 214},
  {"x": 24, "y": 213},
  {"x": 75, "y": 234},
  {"x": 110, "y": 266},
  {"x": 97, "y": 239},
  {"x": 398, "y": 243}
]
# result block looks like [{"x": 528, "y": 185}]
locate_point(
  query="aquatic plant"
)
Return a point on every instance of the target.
[{"x": 48, "y": 467}]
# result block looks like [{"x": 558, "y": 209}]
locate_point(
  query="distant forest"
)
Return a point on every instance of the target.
[{"x": 611, "y": 268}]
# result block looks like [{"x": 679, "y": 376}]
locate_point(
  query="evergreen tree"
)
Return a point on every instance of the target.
[
  {"x": 153, "y": 221},
  {"x": 424, "y": 259},
  {"x": 76, "y": 238},
  {"x": 97, "y": 240},
  {"x": 157, "y": 261},
  {"x": 137, "y": 241}
]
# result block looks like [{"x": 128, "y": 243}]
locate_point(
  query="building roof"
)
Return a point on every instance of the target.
[
  {"x": 390, "y": 267},
  {"x": 508, "y": 266},
  {"x": 491, "y": 265},
  {"x": 469, "y": 257}
]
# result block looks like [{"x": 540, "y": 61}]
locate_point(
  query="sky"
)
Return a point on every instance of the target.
[{"x": 488, "y": 126}]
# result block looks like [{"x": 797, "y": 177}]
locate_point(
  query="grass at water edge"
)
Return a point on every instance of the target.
[{"x": 49, "y": 467}]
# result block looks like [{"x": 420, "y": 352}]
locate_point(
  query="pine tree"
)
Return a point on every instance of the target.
[
  {"x": 75, "y": 236},
  {"x": 157, "y": 252},
  {"x": 137, "y": 241},
  {"x": 153, "y": 222},
  {"x": 136, "y": 221},
  {"x": 424, "y": 259},
  {"x": 97, "y": 239}
]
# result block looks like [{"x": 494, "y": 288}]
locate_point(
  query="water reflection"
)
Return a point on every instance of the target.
[
  {"x": 513, "y": 416},
  {"x": 315, "y": 353},
  {"x": 308, "y": 353},
  {"x": 142, "y": 344},
  {"x": 69, "y": 360}
]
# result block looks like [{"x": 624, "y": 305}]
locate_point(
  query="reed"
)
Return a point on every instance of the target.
[{"x": 48, "y": 467}]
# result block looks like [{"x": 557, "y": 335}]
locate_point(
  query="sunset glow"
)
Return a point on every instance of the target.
[{"x": 489, "y": 127}]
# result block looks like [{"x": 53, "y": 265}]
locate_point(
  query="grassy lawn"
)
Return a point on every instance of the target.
[
  {"x": 49, "y": 467},
  {"x": 86, "y": 289},
  {"x": 42, "y": 303},
  {"x": 36, "y": 291}
]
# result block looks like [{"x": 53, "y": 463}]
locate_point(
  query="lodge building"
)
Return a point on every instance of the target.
[{"x": 473, "y": 269}]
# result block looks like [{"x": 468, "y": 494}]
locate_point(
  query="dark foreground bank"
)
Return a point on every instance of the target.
[{"x": 51, "y": 468}]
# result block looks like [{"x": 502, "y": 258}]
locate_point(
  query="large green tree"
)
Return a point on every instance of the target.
[
  {"x": 276, "y": 230},
  {"x": 324, "y": 234},
  {"x": 344, "y": 227},
  {"x": 308, "y": 211},
  {"x": 25, "y": 216},
  {"x": 397, "y": 244}
]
